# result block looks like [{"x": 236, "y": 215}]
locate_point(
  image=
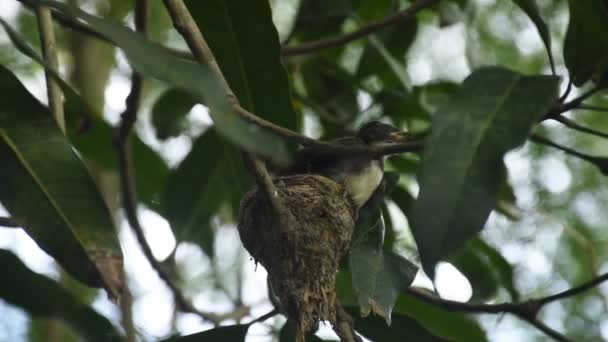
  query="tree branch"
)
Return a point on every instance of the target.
[
  {"x": 370, "y": 28},
  {"x": 575, "y": 290},
  {"x": 526, "y": 310},
  {"x": 600, "y": 162},
  {"x": 593, "y": 108},
  {"x": 574, "y": 125},
  {"x": 49, "y": 51},
  {"x": 574, "y": 103},
  {"x": 8, "y": 222},
  {"x": 127, "y": 184}
]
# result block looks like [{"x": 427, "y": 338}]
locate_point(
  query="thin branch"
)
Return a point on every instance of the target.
[
  {"x": 49, "y": 51},
  {"x": 575, "y": 290},
  {"x": 600, "y": 162},
  {"x": 323, "y": 147},
  {"x": 574, "y": 125},
  {"x": 127, "y": 186},
  {"x": 548, "y": 330},
  {"x": 197, "y": 42},
  {"x": 370, "y": 28},
  {"x": 265, "y": 316},
  {"x": 574, "y": 103},
  {"x": 593, "y": 108},
  {"x": 525, "y": 310},
  {"x": 8, "y": 222}
]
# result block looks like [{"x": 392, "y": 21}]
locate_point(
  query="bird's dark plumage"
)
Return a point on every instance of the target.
[{"x": 360, "y": 174}]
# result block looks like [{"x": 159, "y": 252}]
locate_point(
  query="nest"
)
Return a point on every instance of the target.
[{"x": 301, "y": 247}]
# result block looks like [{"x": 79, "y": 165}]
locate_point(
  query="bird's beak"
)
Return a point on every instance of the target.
[{"x": 399, "y": 137}]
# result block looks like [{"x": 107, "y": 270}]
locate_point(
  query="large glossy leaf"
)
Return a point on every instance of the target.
[
  {"x": 196, "y": 189},
  {"x": 153, "y": 60},
  {"x": 246, "y": 45},
  {"x": 486, "y": 269},
  {"x": 452, "y": 326},
  {"x": 92, "y": 137},
  {"x": 531, "y": 9},
  {"x": 169, "y": 112},
  {"x": 586, "y": 46},
  {"x": 232, "y": 333},
  {"x": 378, "y": 276},
  {"x": 385, "y": 54},
  {"x": 39, "y": 163},
  {"x": 462, "y": 164},
  {"x": 403, "y": 328},
  {"x": 288, "y": 334},
  {"x": 44, "y": 298}
]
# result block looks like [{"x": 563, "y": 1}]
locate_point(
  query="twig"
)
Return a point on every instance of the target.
[
  {"x": 526, "y": 310},
  {"x": 574, "y": 103},
  {"x": 575, "y": 290},
  {"x": 127, "y": 186},
  {"x": 370, "y": 28},
  {"x": 197, "y": 42},
  {"x": 47, "y": 41},
  {"x": 8, "y": 222},
  {"x": 574, "y": 125},
  {"x": 265, "y": 316},
  {"x": 323, "y": 147},
  {"x": 593, "y": 108},
  {"x": 600, "y": 162}
]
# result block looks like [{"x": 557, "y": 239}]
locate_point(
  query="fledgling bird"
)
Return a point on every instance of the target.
[{"x": 360, "y": 174}]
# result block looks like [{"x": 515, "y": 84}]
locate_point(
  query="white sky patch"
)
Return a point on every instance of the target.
[
  {"x": 554, "y": 174},
  {"x": 115, "y": 96},
  {"x": 158, "y": 233},
  {"x": 18, "y": 242},
  {"x": 528, "y": 41},
  {"x": 438, "y": 53},
  {"x": 451, "y": 284}
]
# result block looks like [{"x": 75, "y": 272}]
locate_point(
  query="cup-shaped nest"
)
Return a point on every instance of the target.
[{"x": 301, "y": 247}]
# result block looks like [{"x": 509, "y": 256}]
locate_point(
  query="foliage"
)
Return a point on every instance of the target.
[{"x": 477, "y": 82}]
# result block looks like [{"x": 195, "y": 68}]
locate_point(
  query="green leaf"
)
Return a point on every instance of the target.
[
  {"x": 44, "y": 298},
  {"x": 246, "y": 45},
  {"x": 169, "y": 112},
  {"x": 232, "y": 333},
  {"x": 288, "y": 334},
  {"x": 462, "y": 165},
  {"x": 500, "y": 266},
  {"x": 531, "y": 9},
  {"x": 478, "y": 270},
  {"x": 155, "y": 61},
  {"x": 378, "y": 278},
  {"x": 452, "y": 326},
  {"x": 586, "y": 46},
  {"x": 197, "y": 189},
  {"x": 330, "y": 92},
  {"x": 92, "y": 136},
  {"x": 406, "y": 328},
  {"x": 385, "y": 56},
  {"x": 44, "y": 184}
]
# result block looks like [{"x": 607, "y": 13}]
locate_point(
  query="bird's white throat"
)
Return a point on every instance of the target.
[{"x": 361, "y": 186}]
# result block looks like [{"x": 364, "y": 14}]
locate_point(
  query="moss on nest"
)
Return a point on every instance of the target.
[{"x": 300, "y": 248}]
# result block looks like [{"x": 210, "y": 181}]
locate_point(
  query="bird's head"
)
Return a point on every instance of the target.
[{"x": 378, "y": 133}]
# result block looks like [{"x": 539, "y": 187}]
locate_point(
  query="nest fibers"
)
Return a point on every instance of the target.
[{"x": 301, "y": 248}]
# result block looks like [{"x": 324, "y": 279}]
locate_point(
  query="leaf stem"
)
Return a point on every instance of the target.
[
  {"x": 127, "y": 183},
  {"x": 375, "y": 26},
  {"x": 49, "y": 51},
  {"x": 8, "y": 222},
  {"x": 574, "y": 125},
  {"x": 600, "y": 162}
]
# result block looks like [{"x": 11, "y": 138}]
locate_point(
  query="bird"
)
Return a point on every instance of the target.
[{"x": 360, "y": 174}]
